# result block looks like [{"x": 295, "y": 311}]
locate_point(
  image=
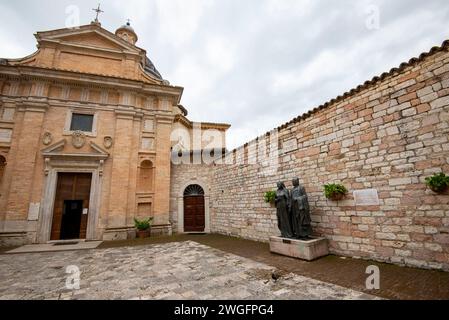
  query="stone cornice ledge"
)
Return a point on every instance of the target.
[
  {"x": 33, "y": 104},
  {"x": 126, "y": 113},
  {"x": 167, "y": 119},
  {"x": 89, "y": 80}
]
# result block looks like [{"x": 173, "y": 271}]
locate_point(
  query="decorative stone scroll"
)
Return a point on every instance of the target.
[
  {"x": 47, "y": 166},
  {"x": 101, "y": 168}
]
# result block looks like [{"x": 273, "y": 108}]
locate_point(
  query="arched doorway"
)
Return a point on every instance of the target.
[{"x": 194, "y": 209}]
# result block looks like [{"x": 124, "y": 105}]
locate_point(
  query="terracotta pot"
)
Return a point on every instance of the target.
[
  {"x": 337, "y": 197},
  {"x": 142, "y": 234}
]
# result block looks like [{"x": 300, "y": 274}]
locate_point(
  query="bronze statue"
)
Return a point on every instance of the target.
[
  {"x": 283, "y": 210},
  {"x": 300, "y": 212}
]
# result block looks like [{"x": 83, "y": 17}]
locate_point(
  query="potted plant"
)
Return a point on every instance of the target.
[
  {"x": 438, "y": 183},
  {"x": 270, "y": 197},
  {"x": 143, "y": 227},
  {"x": 335, "y": 192}
]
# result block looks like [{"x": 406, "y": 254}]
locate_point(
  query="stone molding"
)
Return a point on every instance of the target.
[
  {"x": 67, "y": 77},
  {"x": 180, "y": 201},
  {"x": 57, "y": 161}
]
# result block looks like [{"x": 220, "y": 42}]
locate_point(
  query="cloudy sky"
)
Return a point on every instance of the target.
[{"x": 252, "y": 63}]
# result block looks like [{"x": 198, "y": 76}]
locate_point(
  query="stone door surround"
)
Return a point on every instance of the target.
[
  {"x": 60, "y": 162},
  {"x": 203, "y": 185}
]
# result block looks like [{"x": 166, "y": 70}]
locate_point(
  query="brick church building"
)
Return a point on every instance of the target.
[{"x": 87, "y": 129}]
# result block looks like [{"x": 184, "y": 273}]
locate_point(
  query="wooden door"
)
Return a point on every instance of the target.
[
  {"x": 194, "y": 214},
  {"x": 72, "y": 188}
]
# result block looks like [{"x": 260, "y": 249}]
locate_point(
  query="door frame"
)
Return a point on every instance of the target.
[
  {"x": 203, "y": 185},
  {"x": 204, "y": 211},
  {"x": 49, "y": 197}
]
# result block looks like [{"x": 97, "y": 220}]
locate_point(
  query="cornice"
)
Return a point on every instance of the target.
[
  {"x": 165, "y": 118},
  {"x": 33, "y": 104},
  {"x": 61, "y": 44},
  {"x": 121, "y": 110},
  {"x": 71, "y": 77},
  {"x": 85, "y": 29},
  {"x": 204, "y": 125}
]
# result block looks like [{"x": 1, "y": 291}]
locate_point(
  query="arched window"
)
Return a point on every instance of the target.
[
  {"x": 145, "y": 182},
  {"x": 193, "y": 190}
]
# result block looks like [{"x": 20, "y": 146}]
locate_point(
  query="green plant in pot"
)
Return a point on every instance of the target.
[
  {"x": 270, "y": 197},
  {"x": 335, "y": 192},
  {"x": 143, "y": 227},
  {"x": 438, "y": 183}
]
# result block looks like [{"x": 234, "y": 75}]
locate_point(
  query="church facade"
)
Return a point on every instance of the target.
[{"x": 88, "y": 127}]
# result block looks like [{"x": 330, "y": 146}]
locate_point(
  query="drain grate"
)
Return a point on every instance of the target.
[{"x": 66, "y": 243}]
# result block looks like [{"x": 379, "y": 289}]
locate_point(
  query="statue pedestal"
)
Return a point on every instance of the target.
[{"x": 305, "y": 250}]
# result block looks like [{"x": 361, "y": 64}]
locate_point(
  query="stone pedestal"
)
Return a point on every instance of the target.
[{"x": 305, "y": 250}]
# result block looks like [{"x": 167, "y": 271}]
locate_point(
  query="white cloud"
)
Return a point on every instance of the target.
[
  {"x": 282, "y": 8},
  {"x": 11, "y": 46},
  {"x": 220, "y": 54},
  {"x": 137, "y": 10},
  {"x": 179, "y": 19},
  {"x": 204, "y": 72},
  {"x": 327, "y": 64}
]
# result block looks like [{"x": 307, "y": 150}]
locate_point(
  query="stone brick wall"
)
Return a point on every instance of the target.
[{"x": 389, "y": 134}]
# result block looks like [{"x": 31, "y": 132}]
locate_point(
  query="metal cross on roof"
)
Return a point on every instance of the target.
[
  {"x": 128, "y": 22},
  {"x": 98, "y": 11}
]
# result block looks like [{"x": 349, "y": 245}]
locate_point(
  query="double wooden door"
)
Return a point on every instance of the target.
[
  {"x": 71, "y": 209},
  {"x": 194, "y": 214}
]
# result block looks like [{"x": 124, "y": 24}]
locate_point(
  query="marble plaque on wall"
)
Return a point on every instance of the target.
[
  {"x": 147, "y": 144},
  {"x": 8, "y": 114},
  {"x": 149, "y": 125},
  {"x": 33, "y": 211},
  {"x": 5, "y": 135},
  {"x": 368, "y": 197}
]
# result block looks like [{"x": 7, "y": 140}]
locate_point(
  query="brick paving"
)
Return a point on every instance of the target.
[{"x": 175, "y": 270}]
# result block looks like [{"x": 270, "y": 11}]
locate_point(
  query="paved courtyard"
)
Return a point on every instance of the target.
[{"x": 178, "y": 270}]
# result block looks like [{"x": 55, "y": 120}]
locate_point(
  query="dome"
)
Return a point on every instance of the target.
[
  {"x": 127, "y": 33},
  {"x": 127, "y": 26}
]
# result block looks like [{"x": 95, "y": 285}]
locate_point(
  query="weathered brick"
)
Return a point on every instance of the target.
[
  {"x": 423, "y": 108},
  {"x": 400, "y": 181},
  {"x": 407, "y": 97},
  {"x": 425, "y": 91},
  {"x": 439, "y": 103}
]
